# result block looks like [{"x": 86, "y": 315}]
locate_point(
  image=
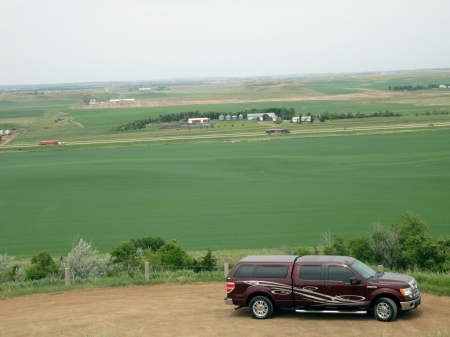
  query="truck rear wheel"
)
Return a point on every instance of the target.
[
  {"x": 261, "y": 307},
  {"x": 385, "y": 309}
]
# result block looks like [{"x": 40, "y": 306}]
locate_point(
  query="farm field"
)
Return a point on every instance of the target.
[
  {"x": 223, "y": 195},
  {"x": 229, "y": 186}
]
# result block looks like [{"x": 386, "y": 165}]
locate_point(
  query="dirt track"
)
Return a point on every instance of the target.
[{"x": 194, "y": 310}]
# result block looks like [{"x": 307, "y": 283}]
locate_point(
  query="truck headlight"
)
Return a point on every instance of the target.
[{"x": 406, "y": 292}]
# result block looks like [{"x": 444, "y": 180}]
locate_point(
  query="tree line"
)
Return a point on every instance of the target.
[
  {"x": 350, "y": 115},
  {"x": 284, "y": 113},
  {"x": 414, "y": 87}
]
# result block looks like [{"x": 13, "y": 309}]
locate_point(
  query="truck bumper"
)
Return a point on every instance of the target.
[
  {"x": 228, "y": 301},
  {"x": 411, "y": 304}
]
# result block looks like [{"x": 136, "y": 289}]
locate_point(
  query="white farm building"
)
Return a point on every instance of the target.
[
  {"x": 259, "y": 116},
  {"x": 198, "y": 120}
]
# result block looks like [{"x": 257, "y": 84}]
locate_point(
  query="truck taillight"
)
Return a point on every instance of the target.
[{"x": 230, "y": 287}]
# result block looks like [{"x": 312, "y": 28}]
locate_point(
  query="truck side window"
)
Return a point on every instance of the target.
[
  {"x": 261, "y": 271},
  {"x": 245, "y": 271},
  {"x": 311, "y": 273},
  {"x": 271, "y": 271},
  {"x": 340, "y": 274}
]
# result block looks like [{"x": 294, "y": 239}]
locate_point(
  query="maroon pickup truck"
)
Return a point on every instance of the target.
[{"x": 318, "y": 284}]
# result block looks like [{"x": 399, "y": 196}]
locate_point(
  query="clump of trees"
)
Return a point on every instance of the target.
[{"x": 403, "y": 246}]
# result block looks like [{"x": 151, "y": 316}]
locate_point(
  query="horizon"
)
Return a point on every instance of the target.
[{"x": 225, "y": 78}]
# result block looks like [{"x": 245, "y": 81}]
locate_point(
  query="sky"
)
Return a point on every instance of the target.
[{"x": 66, "y": 41}]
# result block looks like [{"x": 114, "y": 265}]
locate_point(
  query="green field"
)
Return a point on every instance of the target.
[
  {"x": 240, "y": 189},
  {"x": 223, "y": 195}
]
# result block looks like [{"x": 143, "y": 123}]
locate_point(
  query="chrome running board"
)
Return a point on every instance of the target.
[{"x": 360, "y": 312}]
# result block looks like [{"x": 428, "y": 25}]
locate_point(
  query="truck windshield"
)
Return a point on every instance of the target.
[{"x": 363, "y": 270}]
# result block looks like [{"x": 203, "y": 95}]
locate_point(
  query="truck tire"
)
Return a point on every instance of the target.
[
  {"x": 261, "y": 307},
  {"x": 385, "y": 309}
]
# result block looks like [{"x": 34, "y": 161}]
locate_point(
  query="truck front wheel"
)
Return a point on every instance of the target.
[
  {"x": 261, "y": 307},
  {"x": 385, "y": 309}
]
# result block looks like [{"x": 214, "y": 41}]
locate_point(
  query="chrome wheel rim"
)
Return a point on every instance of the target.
[
  {"x": 383, "y": 310},
  {"x": 260, "y": 308}
]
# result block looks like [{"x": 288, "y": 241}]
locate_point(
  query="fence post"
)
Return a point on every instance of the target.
[
  {"x": 147, "y": 271},
  {"x": 67, "y": 276},
  {"x": 225, "y": 268}
]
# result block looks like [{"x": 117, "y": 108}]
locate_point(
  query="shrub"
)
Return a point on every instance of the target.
[
  {"x": 43, "y": 266},
  {"x": 154, "y": 243},
  {"x": 300, "y": 251},
  {"x": 9, "y": 272},
  {"x": 173, "y": 256},
  {"x": 127, "y": 258},
  {"x": 207, "y": 263},
  {"x": 84, "y": 261}
]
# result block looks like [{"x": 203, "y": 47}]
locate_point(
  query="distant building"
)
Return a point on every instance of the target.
[
  {"x": 198, "y": 120},
  {"x": 303, "y": 119},
  {"x": 259, "y": 116}
]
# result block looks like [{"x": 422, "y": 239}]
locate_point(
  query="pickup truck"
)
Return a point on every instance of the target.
[{"x": 318, "y": 284}]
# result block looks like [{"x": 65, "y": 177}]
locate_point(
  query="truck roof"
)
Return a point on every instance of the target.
[{"x": 291, "y": 258}]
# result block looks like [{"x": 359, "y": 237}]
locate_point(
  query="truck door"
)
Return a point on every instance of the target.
[
  {"x": 345, "y": 291},
  {"x": 309, "y": 286}
]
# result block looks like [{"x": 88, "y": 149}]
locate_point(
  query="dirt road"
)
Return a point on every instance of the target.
[{"x": 194, "y": 310}]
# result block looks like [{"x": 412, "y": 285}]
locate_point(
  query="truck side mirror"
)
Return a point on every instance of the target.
[{"x": 355, "y": 280}]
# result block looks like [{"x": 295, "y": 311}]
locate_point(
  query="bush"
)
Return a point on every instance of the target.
[
  {"x": 9, "y": 272},
  {"x": 173, "y": 256},
  {"x": 84, "y": 261},
  {"x": 154, "y": 243},
  {"x": 43, "y": 266},
  {"x": 127, "y": 258},
  {"x": 300, "y": 251},
  {"x": 207, "y": 263}
]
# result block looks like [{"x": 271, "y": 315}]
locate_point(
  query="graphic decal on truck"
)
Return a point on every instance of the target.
[{"x": 309, "y": 293}]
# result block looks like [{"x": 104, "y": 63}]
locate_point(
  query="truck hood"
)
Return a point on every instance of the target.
[{"x": 391, "y": 278}]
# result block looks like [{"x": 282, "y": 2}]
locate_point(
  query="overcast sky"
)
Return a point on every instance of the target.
[{"x": 62, "y": 41}]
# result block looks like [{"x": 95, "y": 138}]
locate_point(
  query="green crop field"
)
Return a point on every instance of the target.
[
  {"x": 223, "y": 195},
  {"x": 229, "y": 186}
]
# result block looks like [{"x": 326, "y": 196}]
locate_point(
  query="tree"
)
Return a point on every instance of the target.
[
  {"x": 384, "y": 243},
  {"x": 417, "y": 248},
  {"x": 208, "y": 262},
  {"x": 334, "y": 245},
  {"x": 359, "y": 248},
  {"x": 43, "y": 266},
  {"x": 127, "y": 257},
  {"x": 173, "y": 256}
]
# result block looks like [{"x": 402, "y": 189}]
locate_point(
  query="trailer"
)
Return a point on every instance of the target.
[{"x": 50, "y": 142}]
